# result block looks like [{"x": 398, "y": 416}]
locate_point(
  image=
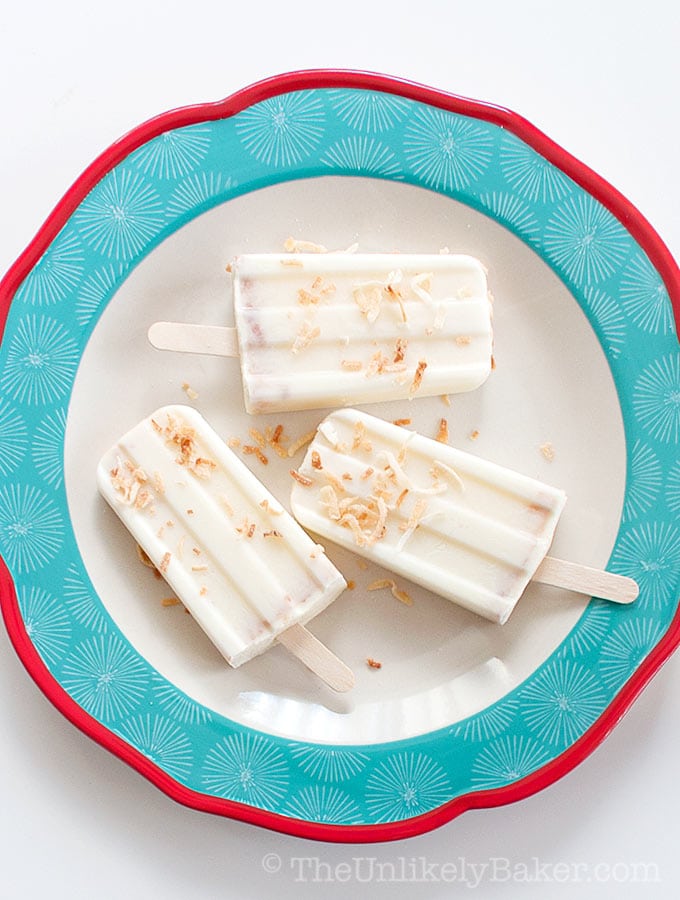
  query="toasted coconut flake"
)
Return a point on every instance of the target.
[
  {"x": 367, "y": 473},
  {"x": 346, "y": 476},
  {"x": 352, "y": 365},
  {"x": 440, "y": 467},
  {"x": 373, "y": 663},
  {"x": 421, "y": 285},
  {"x": 333, "y": 480},
  {"x": 301, "y": 442},
  {"x": 272, "y": 533},
  {"x": 305, "y": 336},
  {"x": 170, "y": 601},
  {"x": 158, "y": 483},
  {"x": 446, "y": 400},
  {"x": 474, "y": 434},
  {"x": 368, "y": 298},
  {"x": 548, "y": 451},
  {"x": 144, "y": 558},
  {"x": 316, "y": 460},
  {"x": 400, "y": 350},
  {"x": 252, "y": 450},
  {"x": 399, "y": 594},
  {"x": 351, "y": 585},
  {"x": 258, "y": 437},
  {"x": 234, "y": 443},
  {"x": 203, "y": 591},
  {"x": 360, "y": 441},
  {"x": 417, "y": 378},
  {"x": 443, "y": 432},
  {"x": 307, "y": 298},
  {"x": 401, "y": 497},
  {"x": 301, "y": 479},
  {"x": 201, "y": 568},
  {"x": 493, "y": 363},
  {"x": 165, "y": 562},
  {"x": 401, "y": 422},
  {"x": 189, "y": 391},
  {"x": 292, "y": 245},
  {"x": 413, "y": 521}
]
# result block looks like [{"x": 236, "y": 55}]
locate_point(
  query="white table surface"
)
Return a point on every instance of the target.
[{"x": 602, "y": 79}]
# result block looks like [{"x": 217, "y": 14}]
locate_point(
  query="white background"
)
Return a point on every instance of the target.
[{"x": 602, "y": 79}]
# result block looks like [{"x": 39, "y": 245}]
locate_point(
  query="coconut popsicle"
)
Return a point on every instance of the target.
[
  {"x": 466, "y": 528},
  {"x": 245, "y": 570},
  {"x": 336, "y": 329}
]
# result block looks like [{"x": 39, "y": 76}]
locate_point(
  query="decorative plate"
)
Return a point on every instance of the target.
[{"x": 586, "y": 395}]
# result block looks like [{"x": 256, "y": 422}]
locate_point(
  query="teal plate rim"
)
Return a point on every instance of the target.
[{"x": 143, "y": 188}]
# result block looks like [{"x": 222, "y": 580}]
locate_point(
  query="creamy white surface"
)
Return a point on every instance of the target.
[
  {"x": 238, "y": 562},
  {"x": 436, "y": 304},
  {"x": 467, "y": 529}
]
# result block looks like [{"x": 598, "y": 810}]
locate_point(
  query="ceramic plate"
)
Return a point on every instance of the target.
[{"x": 585, "y": 395}]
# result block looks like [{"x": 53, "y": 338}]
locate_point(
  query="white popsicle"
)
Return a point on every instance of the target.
[
  {"x": 336, "y": 329},
  {"x": 245, "y": 570},
  {"x": 463, "y": 527}
]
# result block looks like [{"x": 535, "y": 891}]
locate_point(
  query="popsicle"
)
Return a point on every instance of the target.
[
  {"x": 336, "y": 329},
  {"x": 463, "y": 527},
  {"x": 241, "y": 565}
]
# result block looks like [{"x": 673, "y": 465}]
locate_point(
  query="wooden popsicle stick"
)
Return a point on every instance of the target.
[
  {"x": 317, "y": 657},
  {"x": 213, "y": 340},
  {"x": 585, "y": 580}
]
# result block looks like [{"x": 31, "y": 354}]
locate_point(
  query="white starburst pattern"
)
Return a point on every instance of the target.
[
  {"x": 406, "y": 785},
  {"x": 644, "y": 481},
  {"x": 644, "y": 297},
  {"x": 196, "y": 190},
  {"x": 161, "y": 741},
  {"x": 489, "y": 723},
  {"x": 650, "y": 553},
  {"x": 369, "y": 110},
  {"x": 121, "y": 215},
  {"x": 177, "y": 705},
  {"x": 96, "y": 290},
  {"x": 507, "y": 760},
  {"x": 328, "y": 763},
  {"x": 41, "y": 361},
  {"x": 608, "y": 318},
  {"x": 247, "y": 768},
  {"x": 46, "y": 623},
  {"x": 31, "y": 528},
  {"x": 673, "y": 488},
  {"x": 82, "y": 603},
  {"x": 363, "y": 155},
  {"x": 13, "y": 438},
  {"x": 590, "y": 630},
  {"x": 625, "y": 649},
  {"x": 283, "y": 130},
  {"x": 585, "y": 240},
  {"x": 175, "y": 153},
  {"x": 48, "y": 448},
  {"x": 56, "y": 273},
  {"x": 105, "y": 677},
  {"x": 530, "y": 174},
  {"x": 446, "y": 151},
  {"x": 324, "y": 803},
  {"x": 656, "y": 399},
  {"x": 512, "y": 212},
  {"x": 562, "y": 701}
]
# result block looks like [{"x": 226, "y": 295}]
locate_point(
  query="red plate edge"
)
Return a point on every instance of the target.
[{"x": 605, "y": 193}]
